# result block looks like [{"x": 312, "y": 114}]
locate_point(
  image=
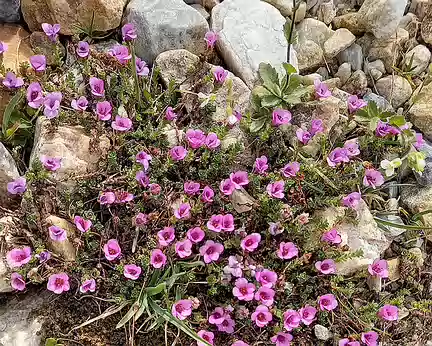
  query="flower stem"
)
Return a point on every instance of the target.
[{"x": 134, "y": 70}]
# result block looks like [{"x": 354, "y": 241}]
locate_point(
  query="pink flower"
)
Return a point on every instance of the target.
[
  {"x": 212, "y": 141},
  {"x": 265, "y": 296},
  {"x": 228, "y": 223},
  {"x": 266, "y": 278},
  {"x": 141, "y": 67},
  {"x": 321, "y": 90},
  {"x": 227, "y": 187},
  {"x": 211, "y": 38},
  {"x": 82, "y": 224},
  {"x": 227, "y": 325},
  {"x": 308, "y": 314},
  {"x": 195, "y": 138},
  {"x": 281, "y": 117},
  {"x": 38, "y": 62},
  {"x": 88, "y": 286},
  {"x": 97, "y": 87},
  {"x": 142, "y": 178},
  {"x": 261, "y": 165},
  {"x": 207, "y": 195},
  {"x": 183, "y": 248},
  {"x": 352, "y": 148},
  {"x": 354, "y": 103},
  {"x": 262, "y": 316},
  {"x": 3, "y": 47},
  {"x": 17, "y": 186},
  {"x": 52, "y": 105},
  {"x": 57, "y": 234},
  {"x": 316, "y": 127},
  {"x": 178, "y": 153},
  {"x": 121, "y": 124},
  {"x": 352, "y": 200},
  {"x": 207, "y": 336},
  {"x": 121, "y": 53},
  {"x": 379, "y": 268},
  {"x": 34, "y": 95},
  {"x": 347, "y": 342},
  {"x": 191, "y": 188},
  {"x": 166, "y": 236},
  {"x": 123, "y": 197},
  {"x": 157, "y": 259},
  {"x": 303, "y": 136},
  {"x": 282, "y": 339},
  {"x": 58, "y": 283},
  {"x": 131, "y": 271},
  {"x": 112, "y": 250},
  {"x": 250, "y": 242},
  {"x": 239, "y": 179},
  {"x": 83, "y": 49},
  {"x": 292, "y": 320},
  {"x": 18, "y": 257},
  {"x": 195, "y": 235},
  {"x": 220, "y": 74},
  {"x": 332, "y": 237},
  {"x": 211, "y": 251},
  {"x": 51, "y": 30},
  {"x": 104, "y": 110},
  {"x": 327, "y": 302},
  {"x": 129, "y": 32},
  {"x": 80, "y": 104},
  {"x": 12, "y": 82},
  {"x": 183, "y": 211},
  {"x": 370, "y": 338},
  {"x": 143, "y": 158},
  {"x": 215, "y": 223},
  {"x": 244, "y": 290},
  {"x": 170, "y": 115},
  {"x": 291, "y": 169},
  {"x": 328, "y": 266},
  {"x": 107, "y": 197},
  {"x": 337, "y": 157},
  {"x": 240, "y": 343},
  {"x": 389, "y": 313},
  {"x": 373, "y": 178},
  {"x": 17, "y": 282},
  {"x": 287, "y": 250},
  {"x": 276, "y": 189},
  {"x": 217, "y": 316},
  {"x": 182, "y": 309}
]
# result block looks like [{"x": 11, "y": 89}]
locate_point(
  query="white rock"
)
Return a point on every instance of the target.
[
  {"x": 310, "y": 55},
  {"x": 250, "y": 32},
  {"x": 341, "y": 40},
  {"x": 344, "y": 72},
  {"x": 326, "y": 11},
  {"x": 397, "y": 90},
  {"x": 8, "y": 172},
  {"x": 202, "y": 11},
  {"x": 313, "y": 30},
  {"x": 374, "y": 65},
  {"x": 322, "y": 333},
  {"x": 353, "y": 55},
  {"x": 382, "y": 17},
  {"x": 420, "y": 56},
  {"x": 166, "y": 24}
]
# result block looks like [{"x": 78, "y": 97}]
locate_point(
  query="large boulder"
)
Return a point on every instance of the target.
[
  {"x": 166, "y": 24},
  {"x": 420, "y": 113},
  {"x": 426, "y": 26},
  {"x": 341, "y": 40},
  {"x": 69, "y": 13},
  {"x": 19, "y": 49},
  {"x": 250, "y": 32},
  {"x": 8, "y": 172},
  {"x": 9, "y": 11},
  {"x": 396, "y": 89}
]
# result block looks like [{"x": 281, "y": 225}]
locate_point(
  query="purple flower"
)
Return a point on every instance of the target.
[
  {"x": 281, "y": 117},
  {"x": 215, "y": 223},
  {"x": 266, "y": 278},
  {"x": 316, "y": 127},
  {"x": 212, "y": 141},
  {"x": 129, "y": 32},
  {"x": 352, "y": 200},
  {"x": 103, "y": 110},
  {"x": 182, "y": 309},
  {"x": 183, "y": 248},
  {"x": 379, "y": 268},
  {"x": 17, "y": 186},
  {"x": 52, "y": 104},
  {"x": 303, "y": 136},
  {"x": 211, "y": 38},
  {"x": 234, "y": 267},
  {"x": 328, "y": 266},
  {"x": 38, "y": 62},
  {"x": 327, "y": 302},
  {"x": 308, "y": 314},
  {"x": 337, "y": 157},
  {"x": 220, "y": 74},
  {"x": 287, "y": 250},
  {"x": 131, "y": 271},
  {"x": 58, "y": 283},
  {"x": 107, "y": 197},
  {"x": 88, "y": 286},
  {"x": 34, "y": 95},
  {"x": 166, "y": 236},
  {"x": 142, "y": 178},
  {"x": 282, "y": 339},
  {"x": 250, "y": 242},
  {"x": 291, "y": 319},
  {"x": 57, "y": 234},
  {"x": 195, "y": 138},
  {"x": 262, "y": 316},
  {"x": 12, "y": 82},
  {"x": 195, "y": 235},
  {"x": 321, "y": 90},
  {"x": 97, "y": 87},
  {"x": 261, "y": 165},
  {"x": 121, "y": 124},
  {"x": 276, "y": 189},
  {"x": 239, "y": 179},
  {"x": 18, "y": 257},
  {"x": 227, "y": 187},
  {"x": 123, "y": 197},
  {"x": 178, "y": 153},
  {"x": 43, "y": 256},
  {"x": 352, "y": 148},
  {"x": 143, "y": 158},
  {"x": 141, "y": 67},
  {"x": 218, "y": 316},
  {"x": 191, "y": 188},
  {"x": 419, "y": 141},
  {"x": 332, "y": 237},
  {"x": 370, "y": 338},
  {"x": 265, "y": 296},
  {"x": 354, "y": 103},
  {"x": 3, "y": 47},
  {"x": 157, "y": 259},
  {"x": 244, "y": 290},
  {"x": 385, "y": 129},
  {"x": 80, "y": 104},
  {"x": 291, "y": 169},
  {"x": 347, "y": 342},
  {"x": 121, "y": 53},
  {"x": 227, "y": 326},
  {"x": 51, "y": 30},
  {"x": 17, "y": 282},
  {"x": 228, "y": 223},
  {"x": 207, "y": 195},
  {"x": 155, "y": 189},
  {"x": 112, "y": 250},
  {"x": 51, "y": 164},
  {"x": 389, "y": 313},
  {"x": 170, "y": 114},
  {"x": 211, "y": 251},
  {"x": 83, "y": 49},
  {"x": 82, "y": 224},
  {"x": 183, "y": 211},
  {"x": 207, "y": 336},
  {"x": 373, "y": 178}
]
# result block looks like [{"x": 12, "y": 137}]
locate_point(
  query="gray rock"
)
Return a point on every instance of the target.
[
  {"x": 425, "y": 178},
  {"x": 356, "y": 84},
  {"x": 420, "y": 56},
  {"x": 322, "y": 333},
  {"x": 104, "y": 46},
  {"x": 201, "y": 11},
  {"x": 9, "y": 11},
  {"x": 341, "y": 40},
  {"x": 382, "y": 17},
  {"x": 350, "y": 21},
  {"x": 310, "y": 79},
  {"x": 250, "y": 32},
  {"x": 323, "y": 72},
  {"x": 421, "y": 110},
  {"x": 166, "y": 24},
  {"x": 326, "y": 11},
  {"x": 420, "y": 8},
  {"x": 8, "y": 172},
  {"x": 309, "y": 55},
  {"x": 352, "y": 55},
  {"x": 380, "y": 101},
  {"x": 411, "y": 24},
  {"x": 374, "y": 65},
  {"x": 313, "y": 30},
  {"x": 396, "y": 89}
]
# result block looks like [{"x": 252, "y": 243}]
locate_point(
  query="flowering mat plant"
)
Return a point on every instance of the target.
[{"x": 196, "y": 240}]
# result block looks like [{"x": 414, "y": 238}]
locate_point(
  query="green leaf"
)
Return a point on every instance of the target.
[
  {"x": 257, "y": 125},
  {"x": 51, "y": 342},
  {"x": 268, "y": 75},
  {"x": 126, "y": 318},
  {"x": 290, "y": 69},
  {"x": 176, "y": 322},
  {"x": 397, "y": 120},
  {"x": 270, "y": 101},
  {"x": 419, "y": 215},
  {"x": 398, "y": 225},
  {"x": 373, "y": 109},
  {"x": 152, "y": 291},
  {"x": 191, "y": 264},
  {"x": 13, "y": 103},
  {"x": 287, "y": 29},
  {"x": 373, "y": 123}
]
